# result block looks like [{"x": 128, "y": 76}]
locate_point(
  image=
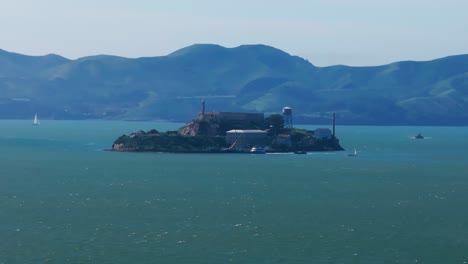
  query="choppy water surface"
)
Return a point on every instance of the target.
[{"x": 64, "y": 200}]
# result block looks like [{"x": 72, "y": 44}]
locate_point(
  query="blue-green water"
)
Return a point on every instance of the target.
[{"x": 64, "y": 200}]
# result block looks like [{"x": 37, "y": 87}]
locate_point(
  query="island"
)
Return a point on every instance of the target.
[{"x": 233, "y": 132}]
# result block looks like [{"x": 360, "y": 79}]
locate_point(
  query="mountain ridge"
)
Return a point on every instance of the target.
[{"x": 247, "y": 78}]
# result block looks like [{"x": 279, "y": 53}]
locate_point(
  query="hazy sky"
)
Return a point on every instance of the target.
[{"x": 326, "y": 32}]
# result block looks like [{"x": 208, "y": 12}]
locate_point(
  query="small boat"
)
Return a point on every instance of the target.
[
  {"x": 419, "y": 136},
  {"x": 300, "y": 152},
  {"x": 36, "y": 120},
  {"x": 257, "y": 150},
  {"x": 353, "y": 154}
]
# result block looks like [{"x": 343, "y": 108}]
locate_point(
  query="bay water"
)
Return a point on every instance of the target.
[{"x": 63, "y": 199}]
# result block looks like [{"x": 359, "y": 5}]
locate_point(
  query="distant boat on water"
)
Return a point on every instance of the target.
[
  {"x": 353, "y": 154},
  {"x": 257, "y": 150},
  {"x": 300, "y": 152},
  {"x": 36, "y": 120},
  {"x": 419, "y": 136}
]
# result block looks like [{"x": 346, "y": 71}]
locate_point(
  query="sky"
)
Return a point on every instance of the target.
[{"x": 325, "y": 32}]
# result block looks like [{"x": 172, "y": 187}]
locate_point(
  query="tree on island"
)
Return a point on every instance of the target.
[{"x": 276, "y": 122}]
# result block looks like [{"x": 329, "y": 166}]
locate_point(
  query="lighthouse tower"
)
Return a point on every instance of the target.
[{"x": 287, "y": 115}]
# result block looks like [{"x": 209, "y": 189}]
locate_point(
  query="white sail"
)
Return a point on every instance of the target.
[
  {"x": 353, "y": 154},
  {"x": 36, "y": 120}
]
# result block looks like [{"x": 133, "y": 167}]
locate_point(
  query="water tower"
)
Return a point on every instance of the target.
[{"x": 287, "y": 115}]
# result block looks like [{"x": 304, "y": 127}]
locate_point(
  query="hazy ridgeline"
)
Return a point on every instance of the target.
[{"x": 249, "y": 78}]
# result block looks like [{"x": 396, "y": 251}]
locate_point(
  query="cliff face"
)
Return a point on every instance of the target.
[
  {"x": 200, "y": 127},
  {"x": 123, "y": 148}
]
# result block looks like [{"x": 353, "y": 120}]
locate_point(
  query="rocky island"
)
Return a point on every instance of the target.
[{"x": 232, "y": 132}]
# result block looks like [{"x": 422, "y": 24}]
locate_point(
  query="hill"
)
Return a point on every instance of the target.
[{"x": 246, "y": 78}]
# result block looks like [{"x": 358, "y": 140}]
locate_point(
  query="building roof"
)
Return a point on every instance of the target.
[{"x": 252, "y": 131}]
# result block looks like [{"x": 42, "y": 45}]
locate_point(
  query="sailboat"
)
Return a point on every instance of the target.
[
  {"x": 353, "y": 154},
  {"x": 36, "y": 120}
]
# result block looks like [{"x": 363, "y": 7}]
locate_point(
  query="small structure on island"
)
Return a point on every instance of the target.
[
  {"x": 244, "y": 139},
  {"x": 283, "y": 139},
  {"x": 333, "y": 125},
  {"x": 323, "y": 133},
  {"x": 203, "y": 109},
  {"x": 287, "y": 115},
  {"x": 326, "y": 133}
]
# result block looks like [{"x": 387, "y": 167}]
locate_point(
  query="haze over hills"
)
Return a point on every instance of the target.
[{"x": 247, "y": 78}]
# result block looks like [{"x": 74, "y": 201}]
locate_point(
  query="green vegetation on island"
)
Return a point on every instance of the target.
[{"x": 170, "y": 141}]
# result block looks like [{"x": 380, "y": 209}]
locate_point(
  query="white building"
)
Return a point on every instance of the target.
[{"x": 323, "y": 133}]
